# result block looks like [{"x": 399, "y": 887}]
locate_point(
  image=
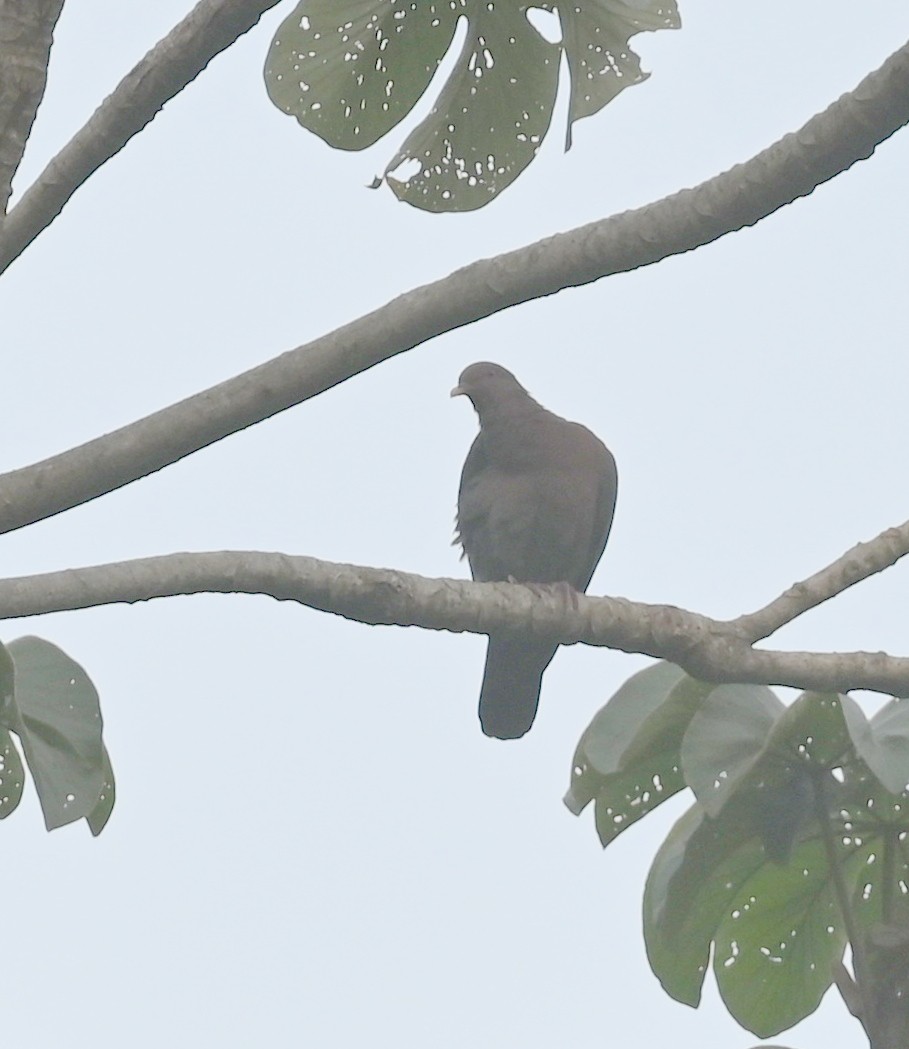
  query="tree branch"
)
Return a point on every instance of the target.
[
  {"x": 707, "y": 648},
  {"x": 26, "y": 34},
  {"x": 211, "y": 27},
  {"x": 862, "y": 561},
  {"x": 829, "y": 143}
]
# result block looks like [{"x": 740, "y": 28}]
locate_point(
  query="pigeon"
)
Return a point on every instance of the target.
[{"x": 535, "y": 505}]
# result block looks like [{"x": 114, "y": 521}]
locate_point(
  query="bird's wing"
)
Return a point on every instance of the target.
[{"x": 604, "y": 511}]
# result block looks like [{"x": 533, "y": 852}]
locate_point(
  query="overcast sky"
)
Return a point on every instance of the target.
[{"x": 313, "y": 843}]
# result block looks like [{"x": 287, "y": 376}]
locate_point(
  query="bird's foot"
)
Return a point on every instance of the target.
[{"x": 564, "y": 591}]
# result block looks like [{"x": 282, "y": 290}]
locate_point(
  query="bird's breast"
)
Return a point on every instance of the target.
[{"x": 529, "y": 527}]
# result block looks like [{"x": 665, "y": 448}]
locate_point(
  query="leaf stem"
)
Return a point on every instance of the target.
[{"x": 859, "y": 961}]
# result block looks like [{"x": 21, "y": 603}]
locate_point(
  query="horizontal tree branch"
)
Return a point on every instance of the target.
[
  {"x": 828, "y": 144},
  {"x": 210, "y": 28},
  {"x": 862, "y": 561},
  {"x": 26, "y": 34},
  {"x": 707, "y": 648}
]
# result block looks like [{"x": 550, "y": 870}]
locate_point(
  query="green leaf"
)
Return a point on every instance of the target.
[
  {"x": 695, "y": 878},
  {"x": 787, "y": 944},
  {"x": 664, "y": 727},
  {"x": 883, "y": 743},
  {"x": 869, "y": 819},
  {"x": 678, "y": 961},
  {"x": 776, "y": 945},
  {"x": 813, "y": 729},
  {"x": 490, "y": 119},
  {"x": 808, "y": 739},
  {"x": 58, "y": 719},
  {"x": 350, "y": 70},
  {"x": 783, "y": 798},
  {"x": 616, "y": 725},
  {"x": 627, "y": 758},
  {"x": 726, "y": 737},
  {"x": 601, "y": 64},
  {"x": 7, "y": 681},
  {"x": 776, "y": 928},
  {"x": 12, "y": 775},
  {"x": 100, "y": 814}
]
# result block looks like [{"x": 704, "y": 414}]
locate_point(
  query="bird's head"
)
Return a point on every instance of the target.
[{"x": 487, "y": 385}]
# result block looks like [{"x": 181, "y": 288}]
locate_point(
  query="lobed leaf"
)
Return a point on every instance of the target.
[
  {"x": 775, "y": 927},
  {"x": 351, "y": 70}
]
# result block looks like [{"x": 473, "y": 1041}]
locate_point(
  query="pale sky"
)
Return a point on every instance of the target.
[{"x": 313, "y": 844}]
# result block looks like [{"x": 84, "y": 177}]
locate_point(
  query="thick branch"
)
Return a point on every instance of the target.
[
  {"x": 706, "y": 648},
  {"x": 862, "y": 561},
  {"x": 828, "y": 144},
  {"x": 211, "y": 27},
  {"x": 26, "y": 34}
]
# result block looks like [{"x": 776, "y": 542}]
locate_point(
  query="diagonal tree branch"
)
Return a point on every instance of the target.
[
  {"x": 829, "y": 143},
  {"x": 26, "y": 34},
  {"x": 211, "y": 27},
  {"x": 862, "y": 561},
  {"x": 707, "y": 648}
]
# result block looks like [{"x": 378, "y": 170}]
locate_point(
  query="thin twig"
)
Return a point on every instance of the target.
[{"x": 862, "y": 561}]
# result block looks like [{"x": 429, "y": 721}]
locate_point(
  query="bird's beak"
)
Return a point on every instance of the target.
[{"x": 458, "y": 391}]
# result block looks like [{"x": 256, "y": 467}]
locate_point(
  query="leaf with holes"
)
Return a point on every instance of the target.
[
  {"x": 595, "y": 37},
  {"x": 813, "y": 730},
  {"x": 774, "y": 959},
  {"x": 55, "y": 713},
  {"x": 628, "y": 758},
  {"x": 776, "y": 926},
  {"x": 490, "y": 118},
  {"x": 351, "y": 70},
  {"x": 12, "y": 775},
  {"x": 100, "y": 814},
  {"x": 776, "y": 945},
  {"x": 809, "y": 741},
  {"x": 692, "y": 883},
  {"x": 883, "y": 742},
  {"x": 605, "y": 739},
  {"x": 872, "y": 820},
  {"x": 776, "y": 929}
]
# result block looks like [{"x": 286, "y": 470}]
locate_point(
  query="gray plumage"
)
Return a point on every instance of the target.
[{"x": 535, "y": 505}]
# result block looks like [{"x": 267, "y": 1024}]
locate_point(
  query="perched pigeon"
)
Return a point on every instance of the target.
[{"x": 535, "y": 506}]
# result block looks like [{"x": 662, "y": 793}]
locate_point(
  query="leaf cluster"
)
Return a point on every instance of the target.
[
  {"x": 795, "y": 845},
  {"x": 49, "y": 703}
]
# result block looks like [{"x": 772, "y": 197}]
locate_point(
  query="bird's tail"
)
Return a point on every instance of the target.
[{"x": 511, "y": 685}]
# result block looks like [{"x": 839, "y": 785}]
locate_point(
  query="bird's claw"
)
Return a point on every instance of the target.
[{"x": 564, "y": 591}]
